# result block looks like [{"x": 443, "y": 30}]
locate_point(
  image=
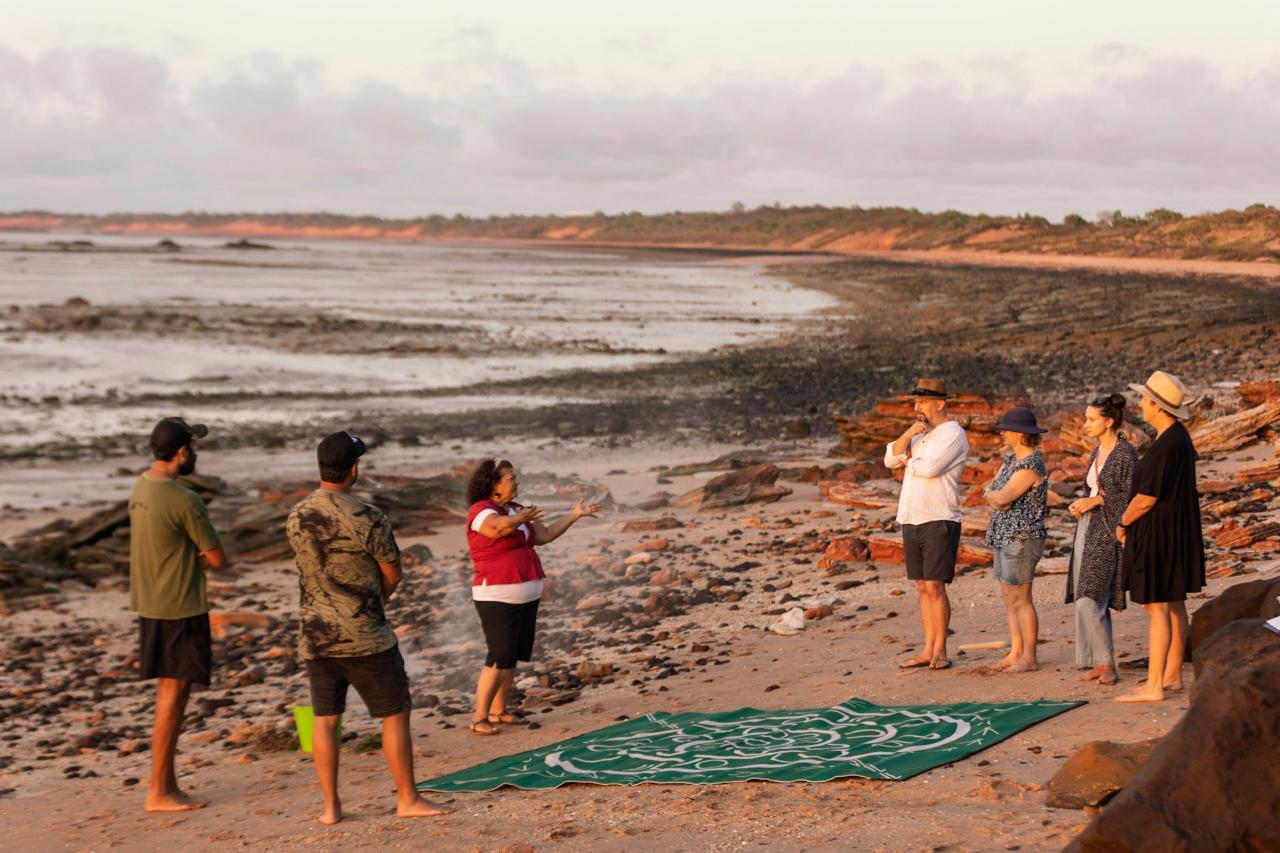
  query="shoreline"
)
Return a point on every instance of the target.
[
  {"x": 834, "y": 362},
  {"x": 763, "y": 253}
]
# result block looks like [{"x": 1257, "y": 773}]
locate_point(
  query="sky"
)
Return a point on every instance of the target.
[{"x": 417, "y": 107}]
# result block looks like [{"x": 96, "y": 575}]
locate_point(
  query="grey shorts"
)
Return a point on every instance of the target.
[
  {"x": 1015, "y": 562},
  {"x": 930, "y": 550}
]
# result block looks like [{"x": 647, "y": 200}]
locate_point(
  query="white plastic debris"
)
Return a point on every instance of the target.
[{"x": 792, "y": 622}]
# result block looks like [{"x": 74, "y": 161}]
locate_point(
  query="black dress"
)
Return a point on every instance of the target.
[{"x": 1164, "y": 550}]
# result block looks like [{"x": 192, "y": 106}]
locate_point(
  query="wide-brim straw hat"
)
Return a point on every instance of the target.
[
  {"x": 930, "y": 389},
  {"x": 1167, "y": 392},
  {"x": 1020, "y": 419}
]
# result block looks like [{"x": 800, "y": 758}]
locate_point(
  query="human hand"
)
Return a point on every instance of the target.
[
  {"x": 917, "y": 428},
  {"x": 1079, "y": 507},
  {"x": 583, "y": 508},
  {"x": 1120, "y": 534},
  {"x": 529, "y": 513}
]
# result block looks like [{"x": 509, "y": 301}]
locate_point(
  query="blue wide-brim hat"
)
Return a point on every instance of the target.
[{"x": 1019, "y": 419}]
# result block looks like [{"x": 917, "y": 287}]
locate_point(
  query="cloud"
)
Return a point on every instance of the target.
[{"x": 107, "y": 128}]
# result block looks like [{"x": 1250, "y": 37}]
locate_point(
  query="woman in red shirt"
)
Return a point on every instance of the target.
[{"x": 507, "y": 585}]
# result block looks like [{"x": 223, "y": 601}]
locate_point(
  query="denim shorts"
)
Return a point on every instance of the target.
[{"x": 1015, "y": 561}]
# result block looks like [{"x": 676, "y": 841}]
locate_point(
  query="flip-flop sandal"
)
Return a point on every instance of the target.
[
  {"x": 940, "y": 663},
  {"x": 914, "y": 663},
  {"x": 492, "y": 730}
]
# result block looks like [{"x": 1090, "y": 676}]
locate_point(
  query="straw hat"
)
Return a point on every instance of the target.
[
  {"x": 1167, "y": 392},
  {"x": 931, "y": 389}
]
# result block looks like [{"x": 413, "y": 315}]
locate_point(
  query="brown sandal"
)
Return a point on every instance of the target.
[
  {"x": 492, "y": 730},
  {"x": 506, "y": 718}
]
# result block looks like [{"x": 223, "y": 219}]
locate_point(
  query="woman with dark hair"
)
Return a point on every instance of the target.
[
  {"x": 1160, "y": 529},
  {"x": 1094, "y": 580},
  {"x": 1018, "y": 497},
  {"x": 507, "y": 585}
]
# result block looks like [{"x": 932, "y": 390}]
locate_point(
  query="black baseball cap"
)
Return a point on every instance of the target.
[
  {"x": 339, "y": 451},
  {"x": 173, "y": 434}
]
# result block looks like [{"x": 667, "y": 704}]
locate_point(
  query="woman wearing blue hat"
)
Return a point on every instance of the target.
[{"x": 1018, "y": 497}]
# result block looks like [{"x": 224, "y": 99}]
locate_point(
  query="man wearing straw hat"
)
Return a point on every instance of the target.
[
  {"x": 933, "y": 450},
  {"x": 348, "y": 566}
]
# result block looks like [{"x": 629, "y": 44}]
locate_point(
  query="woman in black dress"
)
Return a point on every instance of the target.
[{"x": 1160, "y": 529}]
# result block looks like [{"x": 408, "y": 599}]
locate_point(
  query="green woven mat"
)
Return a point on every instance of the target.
[{"x": 855, "y": 738}]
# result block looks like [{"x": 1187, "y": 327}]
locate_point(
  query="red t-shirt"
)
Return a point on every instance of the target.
[{"x": 507, "y": 559}]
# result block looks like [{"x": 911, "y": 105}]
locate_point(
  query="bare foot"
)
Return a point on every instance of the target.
[
  {"x": 332, "y": 814},
  {"x": 171, "y": 801},
  {"x": 1168, "y": 686},
  {"x": 1024, "y": 666},
  {"x": 1007, "y": 661},
  {"x": 422, "y": 808},
  {"x": 1108, "y": 676},
  {"x": 918, "y": 660},
  {"x": 940, "y": 663},
  {"x": 1142, "y": 696},
  {"x": 1093, "y": 674}
]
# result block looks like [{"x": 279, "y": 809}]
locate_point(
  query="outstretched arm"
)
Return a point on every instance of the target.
[{"x": 553, "y": 531}]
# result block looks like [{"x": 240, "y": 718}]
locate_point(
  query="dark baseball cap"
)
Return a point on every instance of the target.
[
  {"x": 339, "y": 451},
  {"x": 173, "y": 434}
]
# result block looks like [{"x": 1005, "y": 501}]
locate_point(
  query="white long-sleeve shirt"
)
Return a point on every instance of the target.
[{"x": 931, "y": 484}]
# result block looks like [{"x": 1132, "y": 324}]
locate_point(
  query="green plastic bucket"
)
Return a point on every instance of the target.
[{"x": 304, "y": 718}]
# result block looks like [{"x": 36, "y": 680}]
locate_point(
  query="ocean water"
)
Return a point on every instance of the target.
[{"x": 314, "y": 329}]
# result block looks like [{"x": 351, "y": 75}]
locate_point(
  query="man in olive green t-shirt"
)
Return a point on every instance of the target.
[{"x": 169, "y": 538}]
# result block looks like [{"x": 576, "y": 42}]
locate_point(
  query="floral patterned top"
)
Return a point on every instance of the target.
[{"x": 1024, "y": 519}]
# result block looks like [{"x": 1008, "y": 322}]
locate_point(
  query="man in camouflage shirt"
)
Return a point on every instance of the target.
[{"x": 348, "y": 565}]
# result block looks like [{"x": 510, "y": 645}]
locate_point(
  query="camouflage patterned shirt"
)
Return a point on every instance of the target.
[{"x": 338, "y": 542}]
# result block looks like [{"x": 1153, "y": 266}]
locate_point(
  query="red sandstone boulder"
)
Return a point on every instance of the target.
[
  {"x": 845, "y": 549},
  {"x": 735, "y": 488},
  {"x": 885, "y": 550},
  {"x": 1244, "y": 601},
  {"x": 1096, "y": 773},
  {"x": 822, "y": 611},
  {"x": 971, "y": 556},
  {"x": 1211, "y": 782}
]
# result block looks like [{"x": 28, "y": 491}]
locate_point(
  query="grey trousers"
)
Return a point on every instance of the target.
[{"x": 1094, "y": 645}]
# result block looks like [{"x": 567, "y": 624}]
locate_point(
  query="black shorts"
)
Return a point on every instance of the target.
[
  {"x": 176, "y": 648},
  {"x": 508, "y": 631},
  {"x": 931, "y": 550},
  {"x": 379, "y": 678}
]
